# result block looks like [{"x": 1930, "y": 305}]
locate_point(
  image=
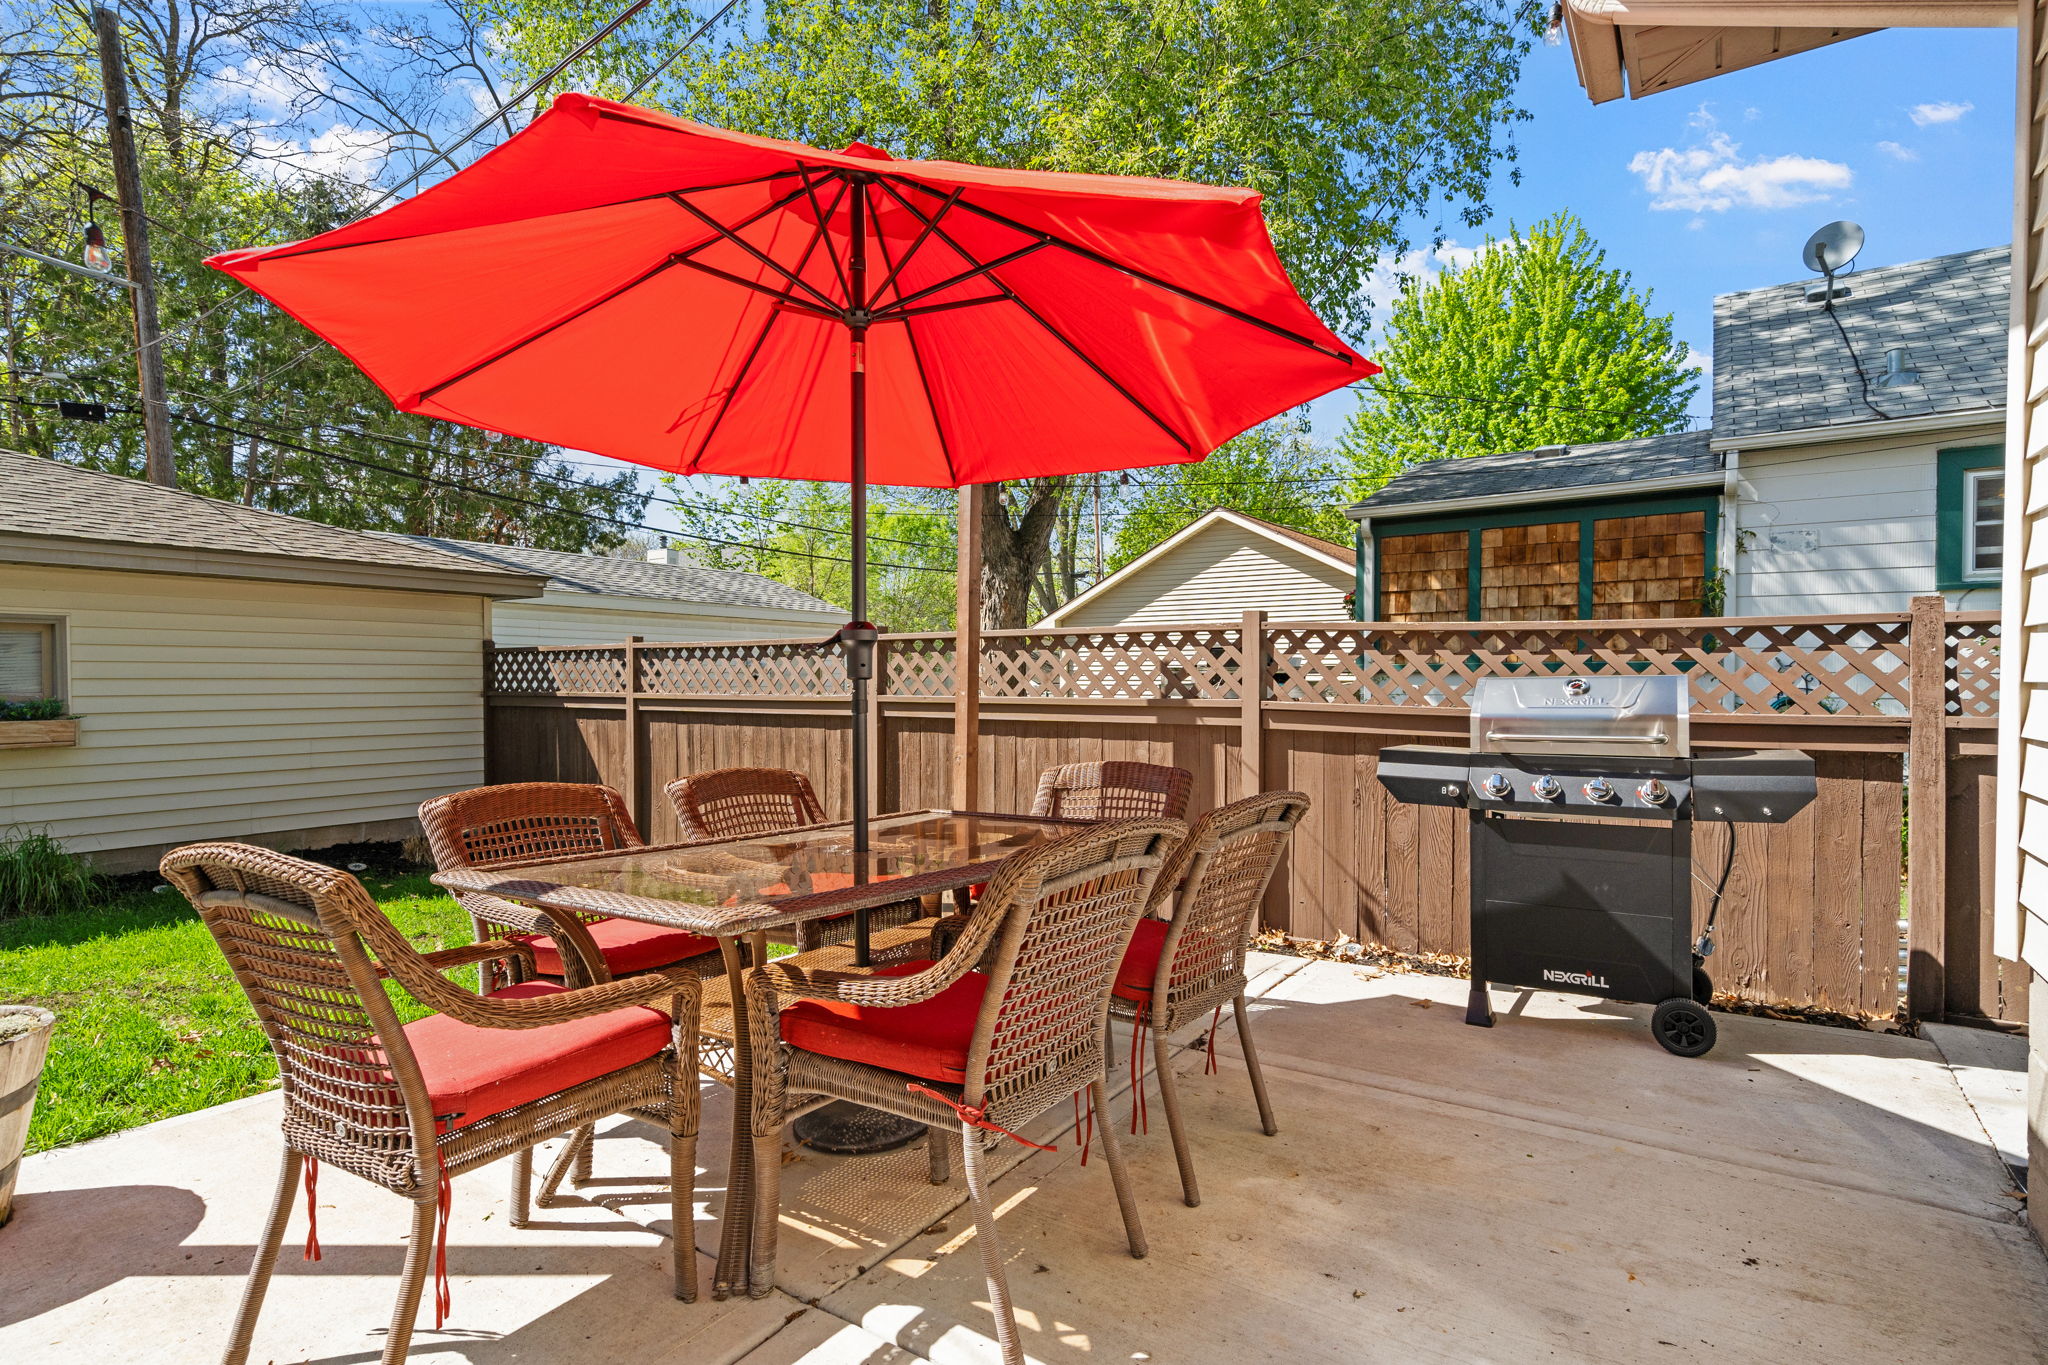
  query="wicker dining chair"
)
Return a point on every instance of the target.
[
  {"x": 522, "y": 821},
  {"x": 1187, "y": 954},
  {"x": 738, "y": 803},
  {"x": 411, "y": 1106},
  {"x": 1114, "y": 790},
  {"x": 945, "y": 1044}
]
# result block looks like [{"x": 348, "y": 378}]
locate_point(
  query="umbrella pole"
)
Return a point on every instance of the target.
[{"x": 860, "y": 650}]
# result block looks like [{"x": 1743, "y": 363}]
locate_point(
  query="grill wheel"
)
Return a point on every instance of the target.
[{"x": 1683, "y": 1027}]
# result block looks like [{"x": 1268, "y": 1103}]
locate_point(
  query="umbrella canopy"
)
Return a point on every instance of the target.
[{"x": 615, "y": 280}]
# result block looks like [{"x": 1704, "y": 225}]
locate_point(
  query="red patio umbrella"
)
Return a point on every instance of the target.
[{"x": 615, "y": 280}]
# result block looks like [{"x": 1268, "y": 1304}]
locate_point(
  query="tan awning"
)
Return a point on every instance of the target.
[{"x": 1638, "y": 47}]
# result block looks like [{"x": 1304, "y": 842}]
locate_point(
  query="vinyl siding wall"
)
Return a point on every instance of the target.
[
  {"x": 1868, "y": 508},
  {"x": 1217, "y": 576},
  {"x": 227, "y": 708},
  {"x": 581, "y": 619}
]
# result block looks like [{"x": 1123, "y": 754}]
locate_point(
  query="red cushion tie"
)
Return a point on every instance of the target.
[
  {"x": 1140, "y": 1118},
  {"x": 1209, "y": 1068},
  {"x": 1086, "y": 1136},
  {"x": 312, "y": 1251},
  {"x": 976, "y": 1118}
]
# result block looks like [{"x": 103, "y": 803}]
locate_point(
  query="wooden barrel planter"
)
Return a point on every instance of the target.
[{"x": 24, "y": 1040}]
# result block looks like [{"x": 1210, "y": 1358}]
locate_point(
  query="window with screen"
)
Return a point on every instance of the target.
[
  {"x": 28, "y": 660},
  {"x": 1984, "y": 531}
]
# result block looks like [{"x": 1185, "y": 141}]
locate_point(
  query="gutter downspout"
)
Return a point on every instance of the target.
[
  {"x": 1361, "y": 536},
  {"x": 1730, "y": 548}
]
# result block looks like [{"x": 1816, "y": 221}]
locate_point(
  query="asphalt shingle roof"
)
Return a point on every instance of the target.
[
  {"x": 1504, "y": 477},
  {"x": 41, "y": 497},
  {"x": 596, "y": 574},
  {"x": 1779, "y": 363}
]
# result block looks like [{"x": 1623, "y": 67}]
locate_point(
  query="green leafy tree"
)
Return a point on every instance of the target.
[
  {"x": 1355, "y": 119},
  {"x": 1273, "y": 472},
  {"x": 1537, "y": 341},
  {"x": 264, "y": 412}
]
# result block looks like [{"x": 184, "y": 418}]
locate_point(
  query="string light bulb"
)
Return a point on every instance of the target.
[{"x": 96, "y": 254}]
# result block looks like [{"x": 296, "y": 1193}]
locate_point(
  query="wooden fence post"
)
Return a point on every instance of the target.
[
  {"x": 878, "y": 689},
  {"x": 636, "y": 805},
  {"x": 965, "y": 793},
  {"x": 1251, "y": 697},
  {"x": 1927, "y": 810}
]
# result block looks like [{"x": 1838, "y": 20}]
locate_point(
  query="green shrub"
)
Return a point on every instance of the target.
[
  {"x": 49, "y": 708},
  {"x": 39, "y": 877}
]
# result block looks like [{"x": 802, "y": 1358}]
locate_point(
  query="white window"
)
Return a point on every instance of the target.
[
  {"x": 1984, "y": 523},
  {"x": 29, "y": 660}
]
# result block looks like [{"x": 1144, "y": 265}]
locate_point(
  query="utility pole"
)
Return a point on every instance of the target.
[{"x": 149, "y": 360}]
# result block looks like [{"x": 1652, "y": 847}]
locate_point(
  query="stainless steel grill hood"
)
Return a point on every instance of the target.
[{"x": 1609, "y": 717}]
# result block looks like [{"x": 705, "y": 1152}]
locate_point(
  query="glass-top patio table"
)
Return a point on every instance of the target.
[{"x": 739, "y": 889}]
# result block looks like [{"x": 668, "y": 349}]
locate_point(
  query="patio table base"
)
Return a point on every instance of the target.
[{"x": 844, "y": 1128}]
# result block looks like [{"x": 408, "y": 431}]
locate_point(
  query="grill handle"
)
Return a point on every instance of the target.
[{"x": 1655, "y": 737}]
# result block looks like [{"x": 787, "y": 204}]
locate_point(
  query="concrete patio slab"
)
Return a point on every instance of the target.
[
  {"x": 1991, "y": 1068},
  {"x": 1555, "y": 1188}
]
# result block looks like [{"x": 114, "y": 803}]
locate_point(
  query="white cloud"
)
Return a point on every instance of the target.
[
  {"x": 1898, "y": 151},
  {"x": 340, "y": 151},
  {"x": 1384, "y": 285},
  {"x": 1712, "y": 176},
  {"x": 1703, "y": 361},
  {"x": 1939, "y": 111}
]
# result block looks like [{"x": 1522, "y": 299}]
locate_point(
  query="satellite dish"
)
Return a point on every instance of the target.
[{"x": 1832, "y": 248}]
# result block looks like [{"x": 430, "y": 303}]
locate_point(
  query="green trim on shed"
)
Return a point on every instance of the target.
[{"x": 1952, "y": 469}]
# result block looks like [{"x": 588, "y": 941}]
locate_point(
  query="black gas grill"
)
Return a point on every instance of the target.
[{"x": 1582, "y": 793}]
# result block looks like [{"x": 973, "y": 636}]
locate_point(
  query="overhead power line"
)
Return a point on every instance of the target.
[{"x": 487, "y": 494}]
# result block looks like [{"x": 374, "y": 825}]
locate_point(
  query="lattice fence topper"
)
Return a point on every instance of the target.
[
  {"x": 552, "y": 671},
  {"x": 1132, "y": 664},
  {"x": 757, "y": 668},
  {"x": 917, "y": 665},
  {"x": 1790, "y": 668},
  {"x": 1971, "y": 679}
]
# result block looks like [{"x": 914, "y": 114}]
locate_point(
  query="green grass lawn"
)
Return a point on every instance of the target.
[{"x": 149, "y": 1021}]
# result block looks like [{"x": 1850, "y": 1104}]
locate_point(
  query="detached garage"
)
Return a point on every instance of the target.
[{"x": 233, "y": 673}]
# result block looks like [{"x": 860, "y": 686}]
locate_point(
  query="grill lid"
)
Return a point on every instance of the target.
[{"x": 1619, "y": 717}]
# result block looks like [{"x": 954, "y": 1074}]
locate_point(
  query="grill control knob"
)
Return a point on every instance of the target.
[
  {"x": 1600, "y": 789},
  {"x": 1653, "y": 792},
  {"x": 1497, "y": 786},
  {"x": 1546, "y": 788}
]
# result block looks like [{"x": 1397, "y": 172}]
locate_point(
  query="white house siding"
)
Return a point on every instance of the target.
[
  {"x": 230, "y": 708},
  {"x": 1868, "y": 508},
  {"x": 580, "y": 619},
  {"x": 1217, "y": 576}
]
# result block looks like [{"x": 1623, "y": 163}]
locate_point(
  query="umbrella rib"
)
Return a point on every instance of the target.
[
  {"x": 961, "y": 278},
  {"x": 924, "y": 382},
  {"x": 732, "y": 391},
  {"x": 917, "y": 242},
  {"x": 1012, "y": 296},
  {"x": 643, "y": 277},
  {"x": 1088, "y": 253},
  {"x": 732, "y": 235},
  {"x": 283, "y": 255},
  {"x": 905, "y": 314},
  {"x": 824, "y": 218},
  {"x": 781, "y": 296}
]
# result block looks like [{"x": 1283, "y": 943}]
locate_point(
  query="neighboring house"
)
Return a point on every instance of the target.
[
  {"x": 1215, "y": 569},
  {"x": 237, "y": 673},
  {"x": 592, "y": 599},
  {"x": 1803, "y": 499}
]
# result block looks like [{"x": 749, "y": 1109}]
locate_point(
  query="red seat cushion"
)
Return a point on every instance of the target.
[
  {"x": 928, "y": 1039},
  {"x": 628, "y": 946},
  {"x": 1141, "y": 960},
  {"x": 476, "y": 1072}
]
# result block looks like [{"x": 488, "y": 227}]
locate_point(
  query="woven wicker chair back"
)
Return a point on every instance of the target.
[
  {"x": 1067, "y": 910},
  {"x": 1117, "y": 790},
  {"x": 732, "y": 803},
  {"x": 524, "y": 820},
  {"x": 1214, "y": 884},
  {"x": 294, "y": 932}
]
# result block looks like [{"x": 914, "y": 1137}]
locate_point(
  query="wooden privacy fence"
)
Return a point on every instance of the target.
[{"x": 1814, "y": 908}]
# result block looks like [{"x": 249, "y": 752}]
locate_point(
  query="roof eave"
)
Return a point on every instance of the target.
[
  {"x": 84, "y": 552},
  {"x": 1365, "y": 511},
  {"x": 1915, "y": 425}
]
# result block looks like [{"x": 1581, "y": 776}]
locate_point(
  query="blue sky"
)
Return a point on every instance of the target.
[{"x": 1908, "y": 132}]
